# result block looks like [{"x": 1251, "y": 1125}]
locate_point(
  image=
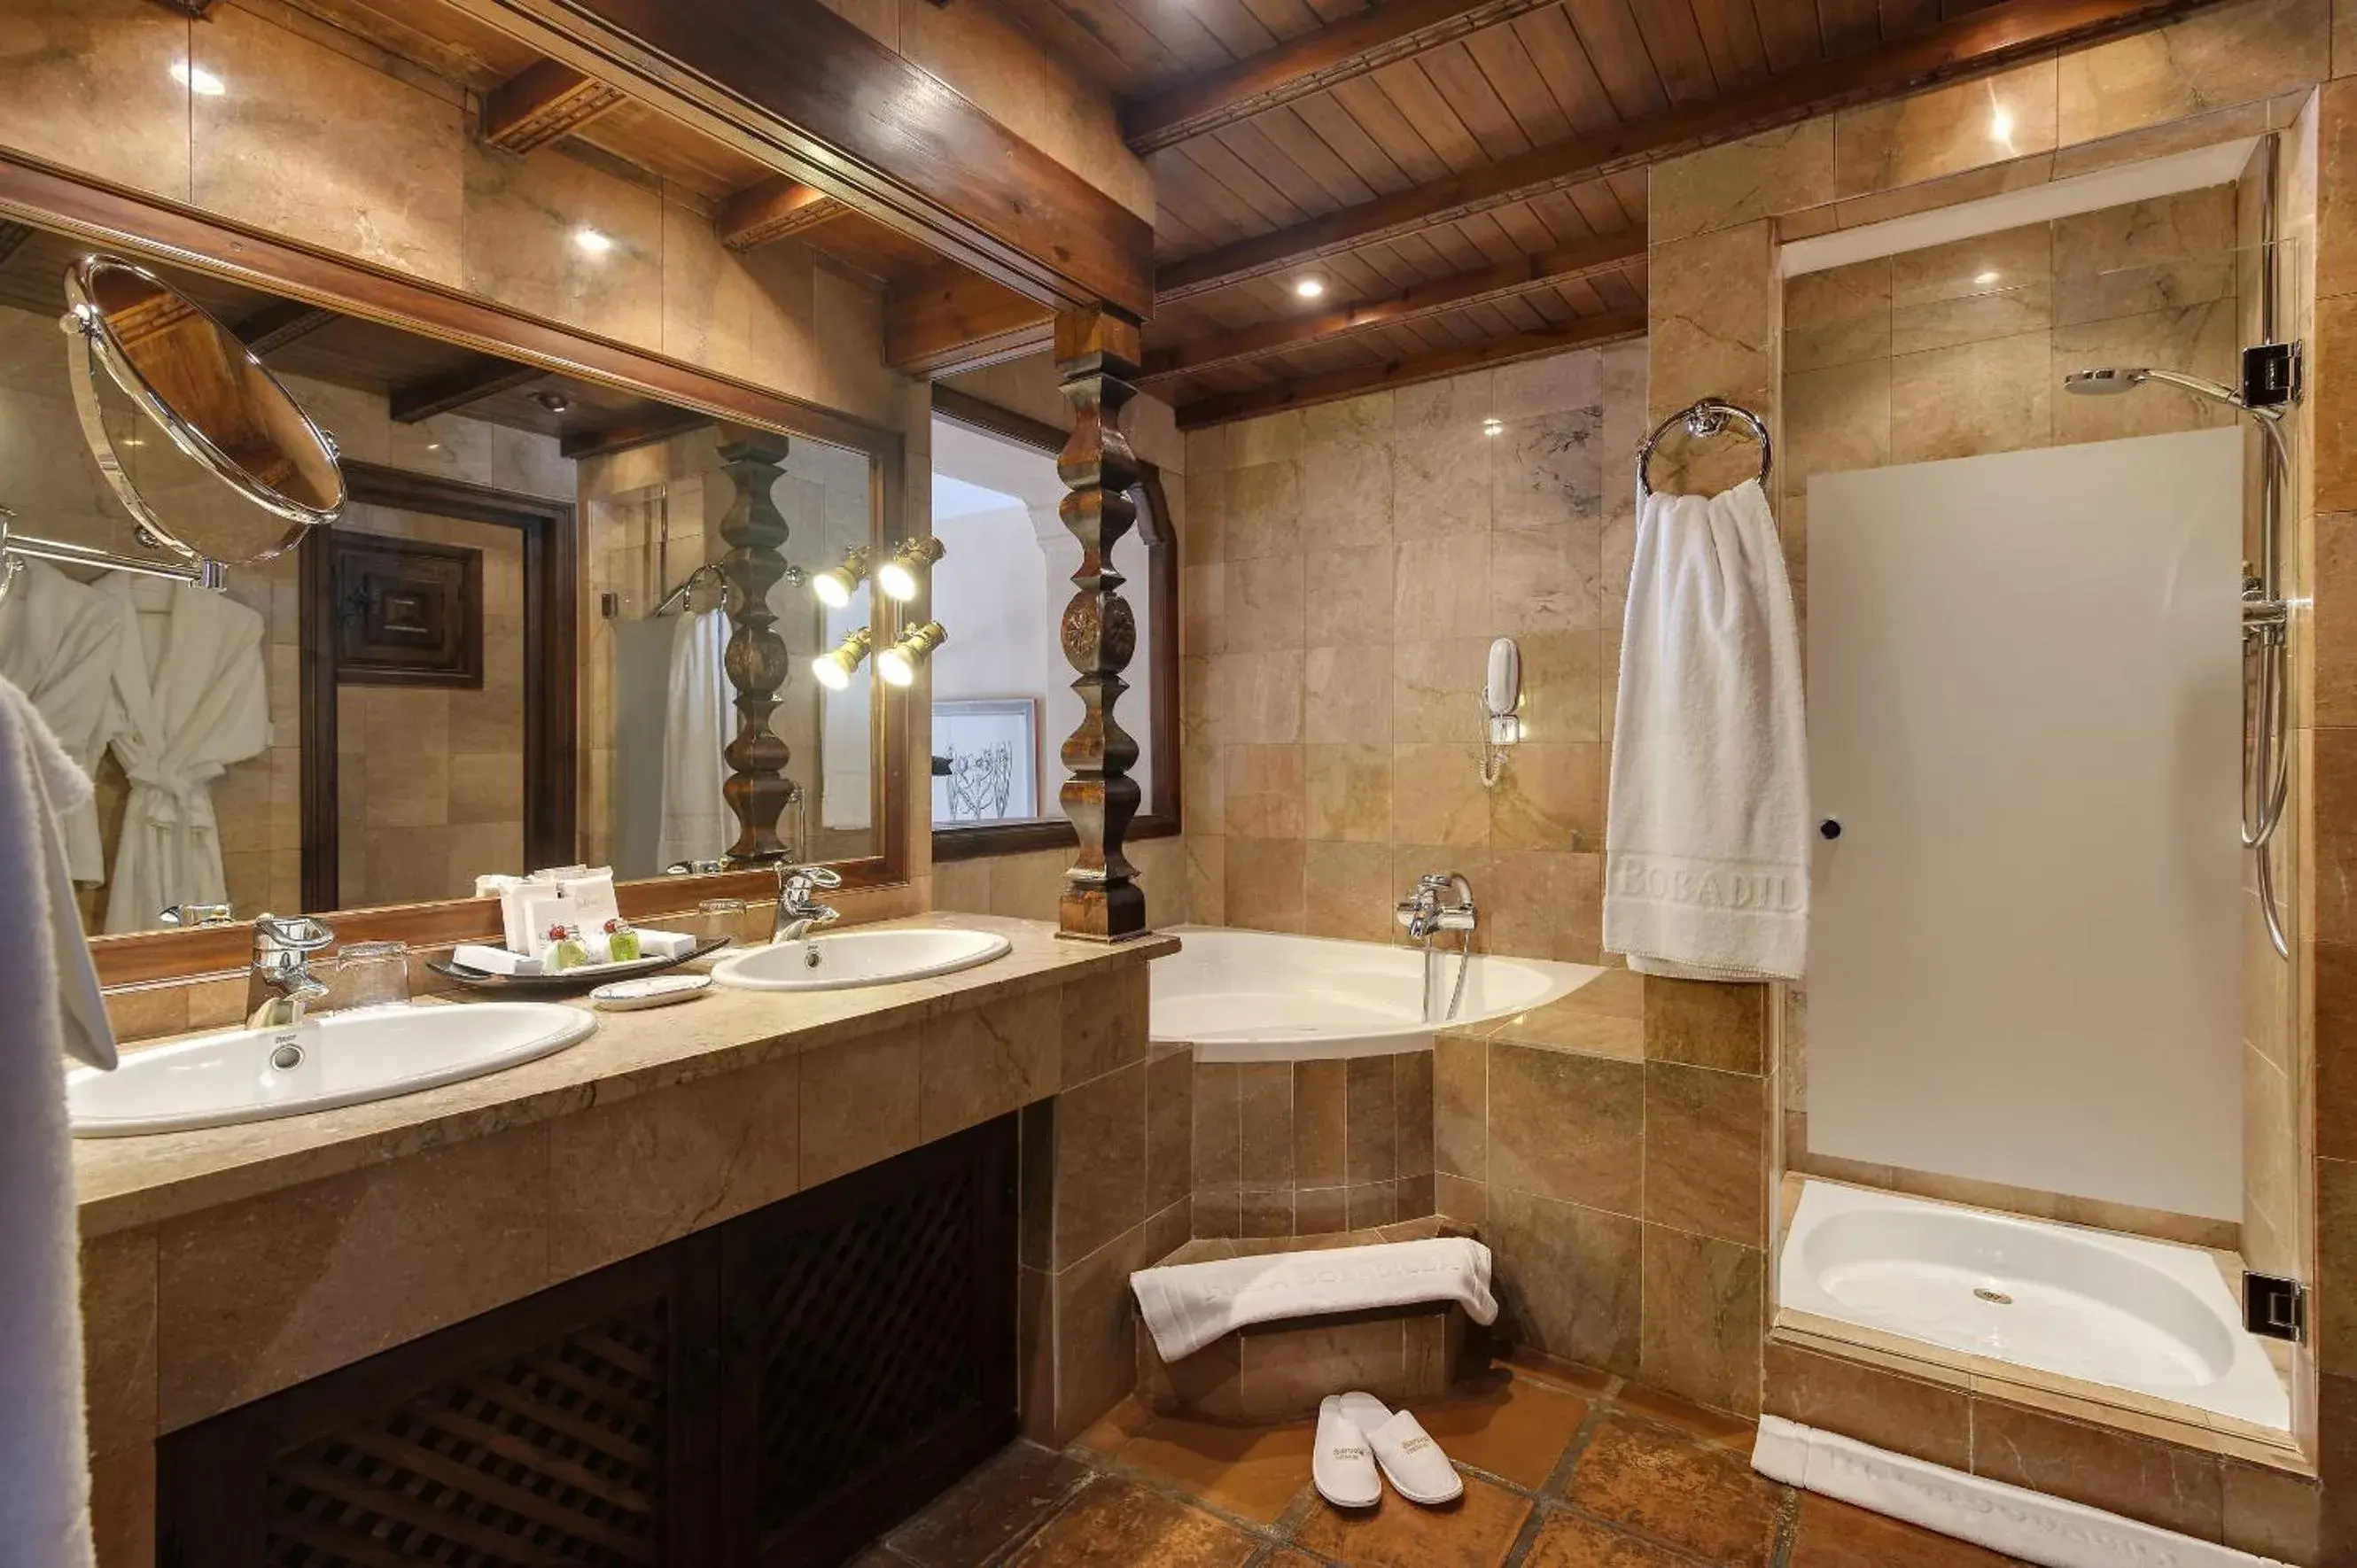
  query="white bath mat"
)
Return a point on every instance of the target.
[{"x": 2011, "y": 1519}]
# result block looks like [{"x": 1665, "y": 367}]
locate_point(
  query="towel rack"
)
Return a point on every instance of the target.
[{"x": 1707, "y": 418}]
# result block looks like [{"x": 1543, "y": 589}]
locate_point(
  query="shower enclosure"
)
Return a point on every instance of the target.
[{"x": 2050, "y": 593}]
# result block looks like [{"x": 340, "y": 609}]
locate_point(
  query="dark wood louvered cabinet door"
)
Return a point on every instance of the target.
[
  {"x": 869, "y": 1351},
  {"x": 572, "y": 1427},
  {"x": 773, "y": 1392}
]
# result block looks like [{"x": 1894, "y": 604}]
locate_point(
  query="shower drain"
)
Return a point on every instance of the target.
[{"x": 1998, "y": 1296}]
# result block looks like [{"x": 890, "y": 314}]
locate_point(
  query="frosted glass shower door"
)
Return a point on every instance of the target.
[{"x": 2024, "y": 712}]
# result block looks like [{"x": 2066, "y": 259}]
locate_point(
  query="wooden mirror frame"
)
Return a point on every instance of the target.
[
  {"x": 1161, "y": 539},
  {"x": 150, "y": 228}
]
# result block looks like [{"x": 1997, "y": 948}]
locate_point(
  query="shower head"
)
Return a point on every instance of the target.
[{"x": 2109, "y": 380}]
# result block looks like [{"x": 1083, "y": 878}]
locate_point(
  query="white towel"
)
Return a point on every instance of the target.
[
  {"x": 1188, "y": 1306},
  {"x": 51, "y": 990},
  {"x": 1707, "y": 847}
]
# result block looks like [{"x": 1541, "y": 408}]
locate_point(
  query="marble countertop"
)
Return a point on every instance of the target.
[{"x": 122, "y": 1183}]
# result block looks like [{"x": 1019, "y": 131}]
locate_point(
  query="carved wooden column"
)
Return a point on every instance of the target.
[
  {"x": 756, "y": 788},
  {"x": 1097, "y": 352}
]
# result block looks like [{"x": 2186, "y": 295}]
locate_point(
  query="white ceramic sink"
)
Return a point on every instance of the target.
[
  {"x": 857, "y": 958},
  {"x": 343, "y": 1059}
]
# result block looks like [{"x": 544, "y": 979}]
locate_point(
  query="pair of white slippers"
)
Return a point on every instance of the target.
[{"x": 1358, "y": 1435}]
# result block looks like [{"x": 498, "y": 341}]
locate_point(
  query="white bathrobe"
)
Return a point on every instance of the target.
[
  {"x": 52, "y": 1006},
  {"x": 698, "y": 721},
  {"x": 58, "y": 644},
  {"x": 189, "y": 677}
]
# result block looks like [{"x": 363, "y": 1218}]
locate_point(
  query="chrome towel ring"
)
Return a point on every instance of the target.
[{"x": 1708, "y": 417}]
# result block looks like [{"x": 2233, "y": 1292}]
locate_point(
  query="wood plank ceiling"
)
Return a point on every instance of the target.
[{"x": 1464, "y": 181}]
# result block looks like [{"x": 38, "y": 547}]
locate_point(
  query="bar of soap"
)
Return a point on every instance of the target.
[
  {"x": 497, "y": 961},
  {"x": 665, "y": 944}
]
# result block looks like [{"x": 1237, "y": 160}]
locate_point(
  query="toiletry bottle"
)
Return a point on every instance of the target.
[
  {"x": 621, "y": 941},
  {"x": 565, "y": 949}
]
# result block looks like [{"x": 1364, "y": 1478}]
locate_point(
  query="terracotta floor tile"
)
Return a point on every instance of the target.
[
  {"x": 987, "y": 1510},
  {"x": 1252, "y": 1471},
  {"x": 1567, "y": 1541},
  {"x": 1511, "y": 1427},
  {"x": 1711, "y": 1426},
  {"x": 1474, "y": 1531},
  {"x": 1834, "y": 1535},
  {"x": 1114, "y": 1523},
  {"x": 1707, "y": 1500}
]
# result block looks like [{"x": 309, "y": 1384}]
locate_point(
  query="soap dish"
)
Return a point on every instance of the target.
[{"x": 654, "y": 991}]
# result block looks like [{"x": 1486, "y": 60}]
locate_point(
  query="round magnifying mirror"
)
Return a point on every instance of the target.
[{"x": 226, "y": 413}]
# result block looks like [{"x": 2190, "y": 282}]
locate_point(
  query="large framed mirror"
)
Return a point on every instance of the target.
[{"x": 511, "y": 649}]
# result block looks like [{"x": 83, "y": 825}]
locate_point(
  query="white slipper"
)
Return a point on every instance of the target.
[
  {"x": 1343, "y": 1465},
  {"x": 1412, "y": 1462}
]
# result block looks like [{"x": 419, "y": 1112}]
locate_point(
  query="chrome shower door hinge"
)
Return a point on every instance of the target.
[{"x": 2274, "y": 1307}]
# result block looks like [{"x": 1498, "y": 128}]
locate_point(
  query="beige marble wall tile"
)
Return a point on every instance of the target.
[
  {"x": 2202, "y": 339},
  {"x": 1346, "y": 491},
  {"x": 1778, "y": 171},
  {"x": 123, "y": 1508},
  {"x": 1260, "y": 695},
  {"x": 1347, "y": 891},
  {"x": 630, "y": 1175},
  {"x": 1569, "y": 1127},
  {"x": 1264, "y": 1127},
  {"x": 90, "y": 88},
  {"x": 1103, "y": 1023},
  {"x": 982, "y": 1062},
  {"x": 1169, "y": 1129},
  {"x": 1099, "y": 1163},
  {"x": 1348, "y": 598},
  {"x": 750, "y": 315},
  {"x": 1931, "y": 1420},
  {"x": 1546, "y": 579},
  {"x": 1711, "y": 302},
  {"x": 1207, "y": 878},
  {"x": 1370, "y": 1133},
  {"x": 1944, "y": 324},
  {"x": 859, "y": 1103},
  {"x": 1348, "y": 697},
  {"x": 1546, "y": 903},
  {"x": 1262, "y": 604},
  {"x": 1996, "y": 396},
  {"x": 253, "y": 1297},
  {"x": 309, "y": 143},
  {"x": 1568, "y": 1279},
  {"x": 1563, "y": 681},
  {"x": 2175, "y": 1488},
  {"x": 1441, "y": 586},
  {"x": 1983, "y": 264},
  {"x": 119, "y": 1329},
  {"x": 1266, "y": 792},
  {"x": 1703, "y": 1024},
  {"x": 1320, "y": 1101},
  {"x": 1705, "y": 1152},
  {"x": 556, "y": 237},
  {"x": 1838, "y": 316},
  {"x": 2225, "y": 55},
  {"x": 1836, "y": 420},
  {"x": 1549, "y": 797},
  {"x": 1095, "y": 1328},
  {"x": 1263, "y": 509},
  {"x": 1905, "y": 140},
  {"x": 1433, "y": 683},
  {"x": 1264, "y": 884},
  {"x": 1994, "y": 180},
  {"x": 1437, "y": 796},
  {"x": 1442, "y": 472},
  {"x": 1704, "y": 1302},
  {"x": 1460, "y": 1101}
]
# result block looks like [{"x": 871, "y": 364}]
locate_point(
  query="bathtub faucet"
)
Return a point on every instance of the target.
[{"x": 1424, "y": 914}]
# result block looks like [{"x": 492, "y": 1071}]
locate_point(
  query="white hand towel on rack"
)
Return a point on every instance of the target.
[
  {"x": 52, "y": 993},
  {"x": 1707, "y": 849}
]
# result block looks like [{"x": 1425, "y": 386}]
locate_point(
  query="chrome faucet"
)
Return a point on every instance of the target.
[
  {"x": 797, "y": 911},
  {"x": 280, "y": 985},
  {"x": 1424, "y": 914}
]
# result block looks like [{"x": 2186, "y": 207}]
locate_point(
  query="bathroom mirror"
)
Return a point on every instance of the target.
[
  {"x": 485, "y": 665},
  {"x": 221, "y": 408}
]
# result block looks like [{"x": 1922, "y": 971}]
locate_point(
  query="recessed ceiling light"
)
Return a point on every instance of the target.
[
  {"x": 591, "y": 241},
  {"x": 1493, "y": 426},
  {"x": 556, "y": 403},
  {"x": 1310, "y": 288},
  {"x": 1983, "y": 280},
  {"x": 197, "y": 79}
]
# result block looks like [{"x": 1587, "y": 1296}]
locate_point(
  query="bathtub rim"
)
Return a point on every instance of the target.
[
  {"x": 1411, "y": 1035},
  {"x": 1985, "y": 1378}
]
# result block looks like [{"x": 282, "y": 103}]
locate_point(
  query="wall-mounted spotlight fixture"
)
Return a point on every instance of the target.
[
  {"x": 834, "y": 668},
  {"x": 898, "y": 664},
  {"x": 833, "y": 586},
  {"x": 900, "y": 576}
]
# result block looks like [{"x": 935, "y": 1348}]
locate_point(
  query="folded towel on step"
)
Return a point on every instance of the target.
[
  {"x": 1188, "y": 1306},
  {"x": 1706, "y": 836}
]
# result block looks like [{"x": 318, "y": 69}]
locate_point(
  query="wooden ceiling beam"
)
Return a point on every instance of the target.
[
  {"x": 765, "y": 213},
  {"x": 1454, "y": 292},
  {"x": 1310, "y": 63},
  {"x": 639, "y": 427},
  {"x": 947, "y": 320},
  {"x": 541, "y": 103},
  {"x": 1332, "y": 386},
  {"x": 1980, "y": 40},
  {"x": 486, "y": 377},
  {"x": 279, "y": 323}
]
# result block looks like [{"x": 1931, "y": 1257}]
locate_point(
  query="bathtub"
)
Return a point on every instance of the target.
[
  {"x": 1255, "y": 997},
  {"x": 2148, "y": 1316}
]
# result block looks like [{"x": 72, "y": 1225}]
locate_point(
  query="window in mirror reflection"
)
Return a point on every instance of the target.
[{"x": 1002, "y": 691}]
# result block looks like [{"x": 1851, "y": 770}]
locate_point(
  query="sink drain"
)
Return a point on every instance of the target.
[{"x": 1998, "y": 1296}]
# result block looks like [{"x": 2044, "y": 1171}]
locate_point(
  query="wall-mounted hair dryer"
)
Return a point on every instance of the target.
[{"x": 1501, "y": 700}]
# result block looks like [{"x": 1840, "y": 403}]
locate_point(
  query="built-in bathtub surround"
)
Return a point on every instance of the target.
[
  {"x": 224, "y": 1265},
  {"x": 1346, "y": 570}
]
